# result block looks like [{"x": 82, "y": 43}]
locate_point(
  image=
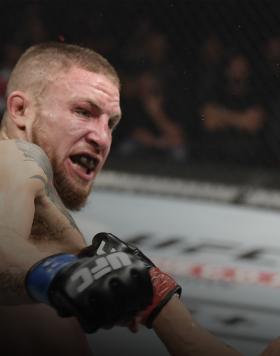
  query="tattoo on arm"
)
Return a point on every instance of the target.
[{"x": 34, "y": 153}]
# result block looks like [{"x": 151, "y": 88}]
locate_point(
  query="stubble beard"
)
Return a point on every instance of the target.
[{"x": 74, "y": 196}]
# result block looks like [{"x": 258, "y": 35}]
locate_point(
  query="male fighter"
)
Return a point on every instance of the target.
[{"x": 63, "y": 103}]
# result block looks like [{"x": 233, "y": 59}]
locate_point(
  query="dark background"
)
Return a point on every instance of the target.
[{"x": 120, "y": 30}]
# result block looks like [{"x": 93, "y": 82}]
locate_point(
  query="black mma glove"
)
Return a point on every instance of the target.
[
  {"x": 164, "y": 286},
  {"x": 100, "y": 290}
]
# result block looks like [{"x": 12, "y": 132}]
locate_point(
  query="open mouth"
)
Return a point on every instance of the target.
[{"x": 84, "y": 163}]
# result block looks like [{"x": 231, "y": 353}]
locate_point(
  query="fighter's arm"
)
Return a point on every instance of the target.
[
  {"x": 99, "y": 290},
  {"x": 170, "y": 319},
  {"x": 182, "y": 336},
  {"x": 26, "y": 176}
]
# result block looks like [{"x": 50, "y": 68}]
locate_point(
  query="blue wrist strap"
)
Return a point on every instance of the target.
[{"x": 41, "y": 275}]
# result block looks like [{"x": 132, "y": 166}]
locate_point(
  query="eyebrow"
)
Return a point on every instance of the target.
[{"x": 96, "y": 106}]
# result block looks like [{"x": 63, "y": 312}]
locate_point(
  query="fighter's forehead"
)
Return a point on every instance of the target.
[
  {"x": 79, "y": 76},
  {"x": 80, "y": 84}
]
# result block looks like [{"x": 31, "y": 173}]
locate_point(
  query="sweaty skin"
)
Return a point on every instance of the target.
[{"x": 77, "y": 115}]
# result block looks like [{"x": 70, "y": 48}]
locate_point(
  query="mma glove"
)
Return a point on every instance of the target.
[
  {"x": 164, "y": 286},
  {"x": 105, "y": 288}
]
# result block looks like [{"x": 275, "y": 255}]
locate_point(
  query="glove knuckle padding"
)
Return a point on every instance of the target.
[
  {"x": 164, "y": 286},
  {"x": 103, "y": 290}
]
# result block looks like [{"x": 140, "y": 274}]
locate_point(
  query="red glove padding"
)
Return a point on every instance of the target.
[{"x": 164, "y": 287}]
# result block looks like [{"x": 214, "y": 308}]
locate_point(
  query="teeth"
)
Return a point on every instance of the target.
[{"x": 84, "y": 161}]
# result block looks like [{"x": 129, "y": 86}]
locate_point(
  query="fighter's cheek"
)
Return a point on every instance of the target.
[{"x": 75, "y": 130}]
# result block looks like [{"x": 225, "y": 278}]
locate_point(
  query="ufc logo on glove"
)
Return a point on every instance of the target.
[
  {"x": 104, "y": 265},
  {"x": 108, "y": 275}
]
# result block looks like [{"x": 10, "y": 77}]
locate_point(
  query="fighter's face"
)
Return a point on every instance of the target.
[{"x": 74, "y": 126}]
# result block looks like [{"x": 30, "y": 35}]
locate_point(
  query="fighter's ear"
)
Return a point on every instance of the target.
[{"x": 17, "y": 104}]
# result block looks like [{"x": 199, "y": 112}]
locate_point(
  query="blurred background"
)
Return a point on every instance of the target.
[
  {"x": 200, "y": 79},
  {"x": 193, "y": 177}
]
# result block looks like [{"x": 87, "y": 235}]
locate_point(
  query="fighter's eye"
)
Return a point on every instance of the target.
[{"x": 83, "y": 112}]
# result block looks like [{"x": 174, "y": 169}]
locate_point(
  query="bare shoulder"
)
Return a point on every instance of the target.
[
  {"x": 19, "y": 151},
  {"x": 24, "y": 162},
  {"x": 27, "y": 172}
]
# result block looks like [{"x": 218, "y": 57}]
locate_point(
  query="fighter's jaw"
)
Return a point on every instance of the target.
[{"x": 72, "y": 190}]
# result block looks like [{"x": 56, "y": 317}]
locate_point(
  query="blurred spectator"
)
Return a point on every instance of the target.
[
  {"x": 156, "y": 50},
  {"x": 149, "y": 48},
  {"x": 211, "y": 55},
  {"x": 270, "y": 75},
  {"x": 32, "y": 29},
  {"x": 233, "y": 116},
  {"x": 272, "y": 132},
  {"x": 271, "y": 68},
  {"x": 148, "y": 127},
  {"x": 133, "y": 53},
  {"x": 151, "y": 97}
]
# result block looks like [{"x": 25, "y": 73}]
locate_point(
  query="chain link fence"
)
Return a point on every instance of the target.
[{"x": 200, "y": 78}]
